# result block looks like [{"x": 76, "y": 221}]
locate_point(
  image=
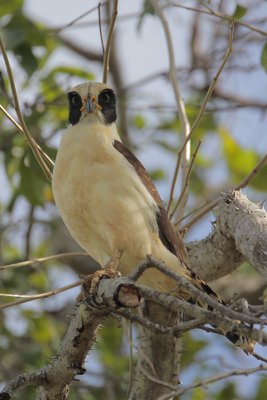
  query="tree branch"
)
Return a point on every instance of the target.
[
  {"x": 222, "y": 16},
  {"x": 246, "y": 223},
  {"x": 14, "y": 122},
  {"x": 109, "y": 40},
  {"x": 54, "y": 379},
  {"x": 31, "y": 141},
  {"x": 213, "y": 379},
  {"x": 185, "y": 154},
  {"x": 209, "y": 205},
  {"x": 239, "y": 233}
]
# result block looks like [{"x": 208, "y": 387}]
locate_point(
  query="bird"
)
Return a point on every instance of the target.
[{"x": 107, "y": 200}]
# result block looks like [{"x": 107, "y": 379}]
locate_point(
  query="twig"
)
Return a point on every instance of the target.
[
  {"x": 179, "y": 102},
  {"x": 222, "y": 16},
  {"x": 205, "y": 101},
  {"x": 100, "y": 27},
  {"x": 71, "y": 23},
  {"x": 52, "y": 381},
  {"x": 195, "y": 292},
  {"x": 258, "y": 357},
  {"x": 186, "y": 183},
  {"x": 20, "y": 382},
  {"x": 208, "y": 207},
  {"x": 26, "y": 132},
  {"x": 223, "y": 320},
  {"x": 109, "y": 40},
  {"x": 157, "y": 381},
  {"x": 14, "y": 122},
  {"x": 17, "y": 296},
  {"x": 40, "y": 260},
  {"x": 251, "y": 175},
  {"x": 157, "y": 328},
  {"x": 214, "y": 80},
  {"x": 28, "y": 233},
  {"x": 40, "y": 295},
  {"x": 213, "y": 379}
]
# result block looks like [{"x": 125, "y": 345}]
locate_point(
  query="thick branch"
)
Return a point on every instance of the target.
[
  {"x": 54, "y": 379},
  {"x": 185, "y": 154},
  {"x": 82, "y": 51},
  {"x": 239, "y": 234},
  {"x": 215, "y": 256},
  {"x": 246, "y": 223},
  {"x": 158, "y": 356}
]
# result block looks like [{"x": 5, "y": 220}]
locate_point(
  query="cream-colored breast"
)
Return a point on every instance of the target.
[{"x": 99, "y": 195}]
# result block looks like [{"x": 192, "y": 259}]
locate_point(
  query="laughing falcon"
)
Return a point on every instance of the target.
[
  {"x": 106, "y": 198},
  {"x": 104, "y": 194}
]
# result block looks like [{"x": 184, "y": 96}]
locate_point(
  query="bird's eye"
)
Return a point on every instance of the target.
[
  {"x": 75, "y": 100},
  {"x": 106, "y": 98}
]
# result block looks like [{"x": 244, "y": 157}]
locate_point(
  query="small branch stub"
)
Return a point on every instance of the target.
[{"x": 108, "y": 289}]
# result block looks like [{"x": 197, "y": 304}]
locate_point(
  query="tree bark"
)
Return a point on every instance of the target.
[
  {"x": 158, "y": 356},
  {"x": 239, "y": 234}
]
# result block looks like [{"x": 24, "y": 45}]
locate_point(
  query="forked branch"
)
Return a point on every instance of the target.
[
  {"x": 36, "y": 151},
  {"x": 109, "y": 41}
]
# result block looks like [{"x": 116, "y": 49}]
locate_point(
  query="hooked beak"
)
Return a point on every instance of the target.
[{"x": 90, "y": 105}]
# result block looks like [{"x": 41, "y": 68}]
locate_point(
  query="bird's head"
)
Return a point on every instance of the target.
[{"x": 92, "y": 102}]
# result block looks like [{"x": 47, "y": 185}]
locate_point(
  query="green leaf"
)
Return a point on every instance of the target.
[
  {"x": 139, "y": 121},
  {"x": 262, "y": 390},
  {"x": 191, "y": 347},
  {"x": 207, "y": 122},
  {"x": 110, "y": 349},
  {"x": 228, "y": 392},
  {"x": 21, "y": 29},
  {"x": 240, "y": 161},
  {"x": 21, "y": 35},
  {"x": 26, "y": 58},
  {"x": 157, "y": 174},
  {"x": 31, "y": 179},
  {"x": 10, "y": 6},
  {"x": 148, "y": 9},
  {"x": 198, "y": 394},
  {"x": 165, "y": 145},
  {"x": 74, "y": 71},
  {"x": 264, "y": 57},
  {"x": 239, "y": 12}
]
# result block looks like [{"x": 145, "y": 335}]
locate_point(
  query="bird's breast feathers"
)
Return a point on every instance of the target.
[{"x": 100, "y": 197}]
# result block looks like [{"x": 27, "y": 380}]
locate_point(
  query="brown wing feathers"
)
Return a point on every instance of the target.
[
  {"x": 171, "y": 239},
  {"x": 167, "y": 234}
]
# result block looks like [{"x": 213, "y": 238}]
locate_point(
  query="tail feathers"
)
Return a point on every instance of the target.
[{"x": 238, "y": 340}]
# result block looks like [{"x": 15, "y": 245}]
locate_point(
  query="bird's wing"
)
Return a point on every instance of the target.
[
  {"x": 174, "y": 243},
  {"x": 171, "y": 239}
]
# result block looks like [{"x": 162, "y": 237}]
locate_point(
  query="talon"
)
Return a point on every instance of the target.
[
  {"x": 90, "y": 282},
  {"x": 113, "y": 263},
  {"x": 97, "y": 276}
]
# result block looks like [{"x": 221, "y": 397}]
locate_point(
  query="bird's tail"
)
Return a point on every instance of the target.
[
  {"x": 162, "y": 283},
  {"x": 238, "y": 340}
]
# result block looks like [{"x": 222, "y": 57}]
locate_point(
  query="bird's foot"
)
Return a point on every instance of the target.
[
  {"x": 90, "y": 282},
  {"x": 112, "y": 265}
]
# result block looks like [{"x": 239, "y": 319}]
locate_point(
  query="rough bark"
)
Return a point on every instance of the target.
[
  {"x": 160, "y": 346},
  {"x": 158, "y": 356},
  {"x": 246, "y": 223},
  {"x": 239, "y": 234},
  {"x": 53, "y": 381}
]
